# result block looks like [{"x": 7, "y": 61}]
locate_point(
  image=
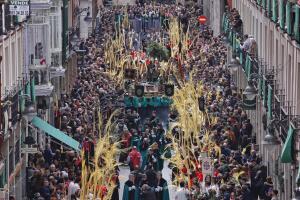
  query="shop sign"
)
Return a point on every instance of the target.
[{"x": 19, "y": 7}]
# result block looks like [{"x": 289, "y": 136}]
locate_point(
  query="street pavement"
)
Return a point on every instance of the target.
[{"x": 161, "y": 113}]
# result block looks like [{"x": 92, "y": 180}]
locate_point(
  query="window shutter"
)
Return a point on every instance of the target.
[
  {"x": 296, "y": 24},
  {"x": 282, "y": 14},
  {"x": 270, "y": 95},
  {"x": 288, "y": 7}
]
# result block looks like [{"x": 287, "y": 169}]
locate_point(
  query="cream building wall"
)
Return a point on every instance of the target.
[
  {"x": 278, "y": 50},
  {"x": 11, "y": 50}
]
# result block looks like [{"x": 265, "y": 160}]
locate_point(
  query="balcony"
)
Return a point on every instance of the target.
[
  {"x": 57, "y": 72},
  {"x": 43, "y": 87},
  {"x": 40, "y": 4},
  {"x": 37, "y": 65},
  {"x": 44, "y": 90}
]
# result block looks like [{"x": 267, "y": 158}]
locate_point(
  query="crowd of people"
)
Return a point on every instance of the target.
[{"x": 238, "y": 171}]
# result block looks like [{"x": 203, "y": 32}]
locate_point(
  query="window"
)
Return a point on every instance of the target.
[
  {"x": 17, "y": 151},
  {"x": 11, "y": 160},
  {"x": 54, "y": 30},
  {"x": 291, "y": 79},
  {"x": 276, "y": 57},
  {"x": 298, "y": 88},
  {"x": 20, "y": 58},
  {"x": 287, "y": 80},
  {"x": 265, "y": 43},
  {"x": 283, "y": 66},
  {"x": 7, "y": 67},
  {"x": 13, "y": 62},
  {"x": 260, "y": 40},
  {"x": 271, "y": 40}
]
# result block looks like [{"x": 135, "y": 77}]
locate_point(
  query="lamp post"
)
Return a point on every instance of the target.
[
  {"x": 233, "y": 67},
  {"x": 30, "y": 111},
  {"x": 234, "y": 64},
  {"x": 270, "y": 140},
  {"x": 250, "y": 91}
]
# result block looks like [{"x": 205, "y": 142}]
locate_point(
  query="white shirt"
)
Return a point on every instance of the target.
[
  {"x": 73, "y": 187},
  {"x": 181, "y": 194}
]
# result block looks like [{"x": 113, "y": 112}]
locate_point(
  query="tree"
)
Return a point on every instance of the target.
[{"x": 158, "y": 51}]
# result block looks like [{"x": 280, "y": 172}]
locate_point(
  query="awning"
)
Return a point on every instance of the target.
[
  {"x": 54, "y": 132},
  {"x": 287, "y": 151}
]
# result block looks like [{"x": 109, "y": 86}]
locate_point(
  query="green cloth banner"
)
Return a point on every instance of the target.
[
  {"x": 269, "y": 8},
  {"x": 264, "y": 4},
  {"x": 32, "y": 86},
  {"x": 287, "y": 150},
  {"x": 27, "y": 89},
  {"x": 258, "y": 2},
  {"x": 223, "y": 22},
  {"x": 260, "y": 87},
  {"x": 282, "y": 14},
  {"x": 234, "y": 42},
  {"x": 288, "y": 23},
  {"x": 249, "y": 67},
  {"x": 270, "y": 99},
  {"x": 296, "y": 24},
  {"x": 264, "y": 91},
  {"x": 21, "y": 101}
]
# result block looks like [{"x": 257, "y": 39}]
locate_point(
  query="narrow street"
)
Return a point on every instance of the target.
[{"x": 149, "y": 100}]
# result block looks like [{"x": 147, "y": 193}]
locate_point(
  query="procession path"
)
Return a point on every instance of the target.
[
  {"x": 162, "y": 113},
  {"x": 124, "y": 172}
]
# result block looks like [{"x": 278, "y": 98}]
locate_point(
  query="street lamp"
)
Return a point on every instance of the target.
[
  {"x": 270, "y": 140},
  {"x": 234, "y": 64},
  {"x": 30, "y": 111},
  {"x": 250, "y": 91}
]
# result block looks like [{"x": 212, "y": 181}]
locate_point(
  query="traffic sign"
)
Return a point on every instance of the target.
[
  {"x": 202, "y": 19},
  {"x": 206, "y": 166}
]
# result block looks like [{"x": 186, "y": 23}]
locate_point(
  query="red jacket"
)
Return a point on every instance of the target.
[{"x": 135, "y": 157}]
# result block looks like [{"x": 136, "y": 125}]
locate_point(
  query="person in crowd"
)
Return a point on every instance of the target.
[
  {"x": 134, "y": 158},
  {"x": 238, "y": 172},
  {"x": 161, "y": 189},
  {"x": 130, "y": 192},
  {"x": 182, "y": 193}
]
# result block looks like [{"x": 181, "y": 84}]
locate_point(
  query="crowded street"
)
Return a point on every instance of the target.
[{"x": 147, "y": 100}]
